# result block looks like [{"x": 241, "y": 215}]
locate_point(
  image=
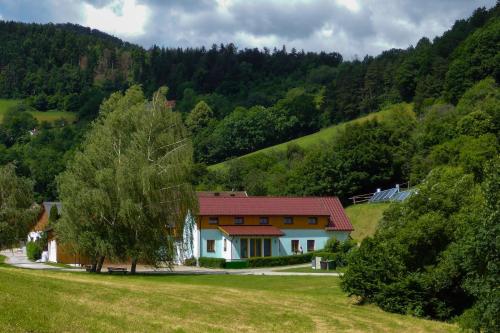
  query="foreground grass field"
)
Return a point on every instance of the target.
[
  {"x": 45, "y": 301},
  {"x": 49, "y": 116},
  {"x": 325, "y": 134},
  {"x": 365, "y": 218}
]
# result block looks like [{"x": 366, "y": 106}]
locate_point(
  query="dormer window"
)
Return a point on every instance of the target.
[
  {"x": 264, "y": 220},
  {"x": 312, "y": 220},
  {"x": 238, "y": 220},
  {"x": 213, "y": 220},
  {"x": 288, "y": 220}
]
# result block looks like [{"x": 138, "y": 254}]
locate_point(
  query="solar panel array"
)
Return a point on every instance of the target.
[{"x": 392, "y": 194}]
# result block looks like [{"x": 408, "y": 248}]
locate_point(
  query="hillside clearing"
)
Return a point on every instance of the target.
[
  {"x": 49, "y": 116},
  {"x": 323, "y": 135},
  {"x": 365, "y": 218},
  {"x": 45, "y": 301}
]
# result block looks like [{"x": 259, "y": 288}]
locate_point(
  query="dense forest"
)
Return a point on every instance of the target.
[{"x": 234, "y": 101}]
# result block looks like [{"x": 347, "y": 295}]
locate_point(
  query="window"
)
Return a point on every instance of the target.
[
  {"x": 238, "y": 220},
  {"x": 210, "y": 245},
  {"x": 225, "y": 245},
  {"x": 310, "y": 245},
  {"x": 288, "y": 220},
  {"x": 313, "y": 220},
  {"x": 264, "y": 220},
  {"x": 213, "y": 220},
  {"x": 244, "y": 248},
  {"x": 267, "y": 247},
  {"x": 295, "y": 245}
]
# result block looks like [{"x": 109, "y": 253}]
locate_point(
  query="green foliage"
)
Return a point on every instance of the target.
[
  {"x": 412, "y": 264},
  {"x": 479, "y": 251},
  {"x": 212, "y": 262},
  {"x": 236, "y": 264},
  {"x": 475, "y": 59},
  {"x": 128, "y": 179},
  {"x": 34, "y": 251},
  {"x": 53, "y": 215},
  {"x": 199, "y": 117},
  {"x": 280, "y": 261},
  {"x": 17, "y": 213}
]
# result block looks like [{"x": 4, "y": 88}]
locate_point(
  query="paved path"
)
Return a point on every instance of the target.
[{"x": 17, "y": 258}]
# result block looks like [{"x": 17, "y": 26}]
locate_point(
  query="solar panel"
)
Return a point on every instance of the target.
[{"x": 392, "y": 194}]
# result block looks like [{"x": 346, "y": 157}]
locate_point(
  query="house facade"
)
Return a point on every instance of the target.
[{"x": 242, "y": 227}]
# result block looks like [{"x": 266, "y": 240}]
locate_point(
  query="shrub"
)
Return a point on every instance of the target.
[
  {"x": 332, "y": 245},
  {"x": 33, "y": 251},
  {"x": 212, "y": 262},
  {"x": 237, "y": 264},
  {"x": 190, "y": 262},
  {"x": 280, "y": 261}
]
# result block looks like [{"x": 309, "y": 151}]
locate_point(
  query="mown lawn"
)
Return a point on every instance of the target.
[
  {"x": 364, "y": 218},
  {"x": 49, "y": 116},
  {"x": 308, "y": 269},
  {"x": 324, "y": 135},
  {"x": 47, "y": 301}
]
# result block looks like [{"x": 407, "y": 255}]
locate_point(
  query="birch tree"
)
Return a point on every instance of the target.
[
  {"x": 155, "y": 195},
  {"x": 89, "y": 224},
  {"x": 127, "y": 190}
]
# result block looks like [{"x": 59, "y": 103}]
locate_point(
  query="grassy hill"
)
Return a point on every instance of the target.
[
  {"x": 365, "y": 218},
  {"x": 325, "y": 134},
  {"x": 47, "y": 301},
  {"x": 49, "y": 116}
]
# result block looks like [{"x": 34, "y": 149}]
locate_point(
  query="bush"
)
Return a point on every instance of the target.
[
  {"x": 212, "y": 262},
  {"x": 190, "y": 262},
  {"x": 33, "y": 251},
  {"x": 237, "y": 264},
  {"x": 280, "y": 261}
]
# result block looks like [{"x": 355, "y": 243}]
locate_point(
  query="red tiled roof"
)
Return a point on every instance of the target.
[
  {"x": 222, "y": 194},
  {"x": 251, "y": 230},
  {"x": 265, "y": 206}
]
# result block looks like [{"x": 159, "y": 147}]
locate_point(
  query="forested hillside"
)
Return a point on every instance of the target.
[{"x": 234, "y": 101}]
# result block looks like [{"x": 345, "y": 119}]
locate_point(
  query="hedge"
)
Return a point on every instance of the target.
[
  {"x": 33, "y": 251},
  {"x": 237, "y": 264},
  {"x": 212, "y": 262},
  {"x": 280, "y": 261}
]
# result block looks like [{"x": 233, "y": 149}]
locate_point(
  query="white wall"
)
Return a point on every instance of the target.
[{"x": 52, "y": 250}]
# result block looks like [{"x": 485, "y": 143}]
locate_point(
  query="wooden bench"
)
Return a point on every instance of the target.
[{"x": 119, "y": 270}]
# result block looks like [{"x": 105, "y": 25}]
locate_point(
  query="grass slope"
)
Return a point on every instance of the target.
[
  {"x": 49, "y": 116},
  {"x": 45, "y": 301},
  {"x": 325, "y": 134},
  {"x": 365, "y": 218}
]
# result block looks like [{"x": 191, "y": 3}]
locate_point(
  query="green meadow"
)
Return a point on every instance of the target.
[
  {"x": 326, "y": 134},
  {"x": 48, "y": 116},
  {"x": 364, "y": 218},
  {"x": 48, "y": 301}
]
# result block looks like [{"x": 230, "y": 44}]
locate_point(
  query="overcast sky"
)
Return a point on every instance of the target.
[{"x": 351, "y": 27}]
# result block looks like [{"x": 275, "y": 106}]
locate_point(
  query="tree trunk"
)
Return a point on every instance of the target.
[
  {"x": 94, "y": 266},
  {"x": 133, "y": 266},
  {"x": 99, "y": 264}
]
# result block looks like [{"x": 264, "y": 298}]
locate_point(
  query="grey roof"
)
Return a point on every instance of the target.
[{"x": 48, "y": 206}]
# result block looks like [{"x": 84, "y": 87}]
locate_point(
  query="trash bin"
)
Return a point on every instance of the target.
[{"x": 327, "y": 264}]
